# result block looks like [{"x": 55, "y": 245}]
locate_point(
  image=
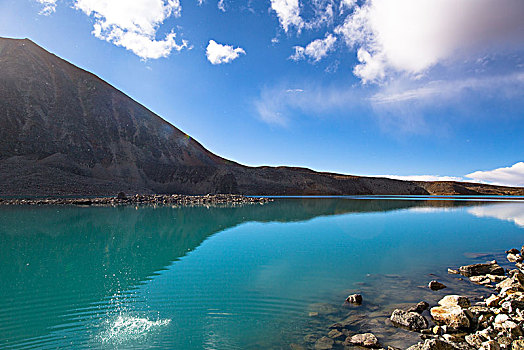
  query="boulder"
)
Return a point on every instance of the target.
[
  {"x": 475, "y": 340},
  {"x": 408, "y": 319},
  {"x": 480, "y": 279},
  {"x": 491, "y": 268},
  {"x": 515, "y": 282},
  {"x": 354, "y": 299},
  {"x": 512, "y": 329},
  {"x": 514, "y": 258},
  {"x": 454, "y": 300},
  {"x": 513, "y": 251},
  {"x": 435, "y": 285},
  {"x": 517, "y": 344},
  {"x": 367, "y": 340},
  {"x": 490, "y": 345},
  {"x": 452, "y": 316},
  {"x": 437, "y": 344},
  {"x": 121, "y": 196}
]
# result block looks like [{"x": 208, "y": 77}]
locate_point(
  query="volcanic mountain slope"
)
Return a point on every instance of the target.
[{"x": 64, "y": 131}]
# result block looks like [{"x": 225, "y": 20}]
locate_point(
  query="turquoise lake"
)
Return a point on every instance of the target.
[{"x": 249, "y": 277}]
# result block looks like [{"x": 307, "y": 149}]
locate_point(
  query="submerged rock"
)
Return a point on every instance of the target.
[
  {"x": 408, "y": 319},
  {"x": 335, "y": 334},
  {"x": 324, "y": 343},
  {"x": 435, "y": 285},
  {"x": 491, "y": 268}
]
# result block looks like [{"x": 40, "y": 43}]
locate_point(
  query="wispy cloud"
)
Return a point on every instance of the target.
[
  {"x": 48, "y": 7},
  {"x": 508, "y": 84},
  {"x": 508, "y": 176},
  {"x": 217, "y": 53},
  {"x": 280, "y": 104}
]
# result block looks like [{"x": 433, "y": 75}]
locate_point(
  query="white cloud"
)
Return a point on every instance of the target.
[
  {"x": 420, "y": 177},
  {"x": 410, "y": 36},
  {"x": 315, "y": 50},
  {"x": 509, "y": 176},
  {"x": 134, "y": 24},
  {"x": 218, "y": 53},
  {"x": 513, "y": 212},
  {"x": 288, "y": 12},
  {"x": 48, "y": 7},
  {"x": 510, "y": 85}
]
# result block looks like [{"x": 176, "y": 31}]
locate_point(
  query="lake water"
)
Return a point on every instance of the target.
[{"x": 234, "y": 277}]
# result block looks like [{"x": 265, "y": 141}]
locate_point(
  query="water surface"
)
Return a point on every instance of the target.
[{"x": 230, "y": 277}]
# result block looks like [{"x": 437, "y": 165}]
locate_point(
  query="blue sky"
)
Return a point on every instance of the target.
[{"x": 373, "y": 87}]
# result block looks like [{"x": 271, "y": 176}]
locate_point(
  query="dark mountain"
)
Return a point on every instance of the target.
[{"x": 64, "y": 131}]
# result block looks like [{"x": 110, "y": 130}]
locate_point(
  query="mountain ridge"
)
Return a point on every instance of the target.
[{"x": 65, "y": 131}]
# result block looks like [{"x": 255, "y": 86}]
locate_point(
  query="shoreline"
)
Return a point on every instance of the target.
[
  {"x": 148, "y": 199},
  {"x": 483, "y": 309}
]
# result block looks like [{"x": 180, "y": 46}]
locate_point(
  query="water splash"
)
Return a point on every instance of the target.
[{"x": 124, "y": 328}]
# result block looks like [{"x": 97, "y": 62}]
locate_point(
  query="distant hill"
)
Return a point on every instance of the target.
[{"x": 64, "y": 131}]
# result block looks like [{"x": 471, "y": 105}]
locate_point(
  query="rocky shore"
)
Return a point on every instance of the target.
[
  {"x": 485, "y": 311},
  {"x": 154, "y": 199}
]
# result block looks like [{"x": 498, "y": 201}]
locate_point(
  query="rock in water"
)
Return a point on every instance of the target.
[
  {"x": 354, "y": 299},
  {"x": 410, "y": 320},
  {"x": 491, "y": 268},
  {"x": 514, "y": 258},
  {"x": 419, "y": 308},
  {"x": 435, "y": 285}
]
